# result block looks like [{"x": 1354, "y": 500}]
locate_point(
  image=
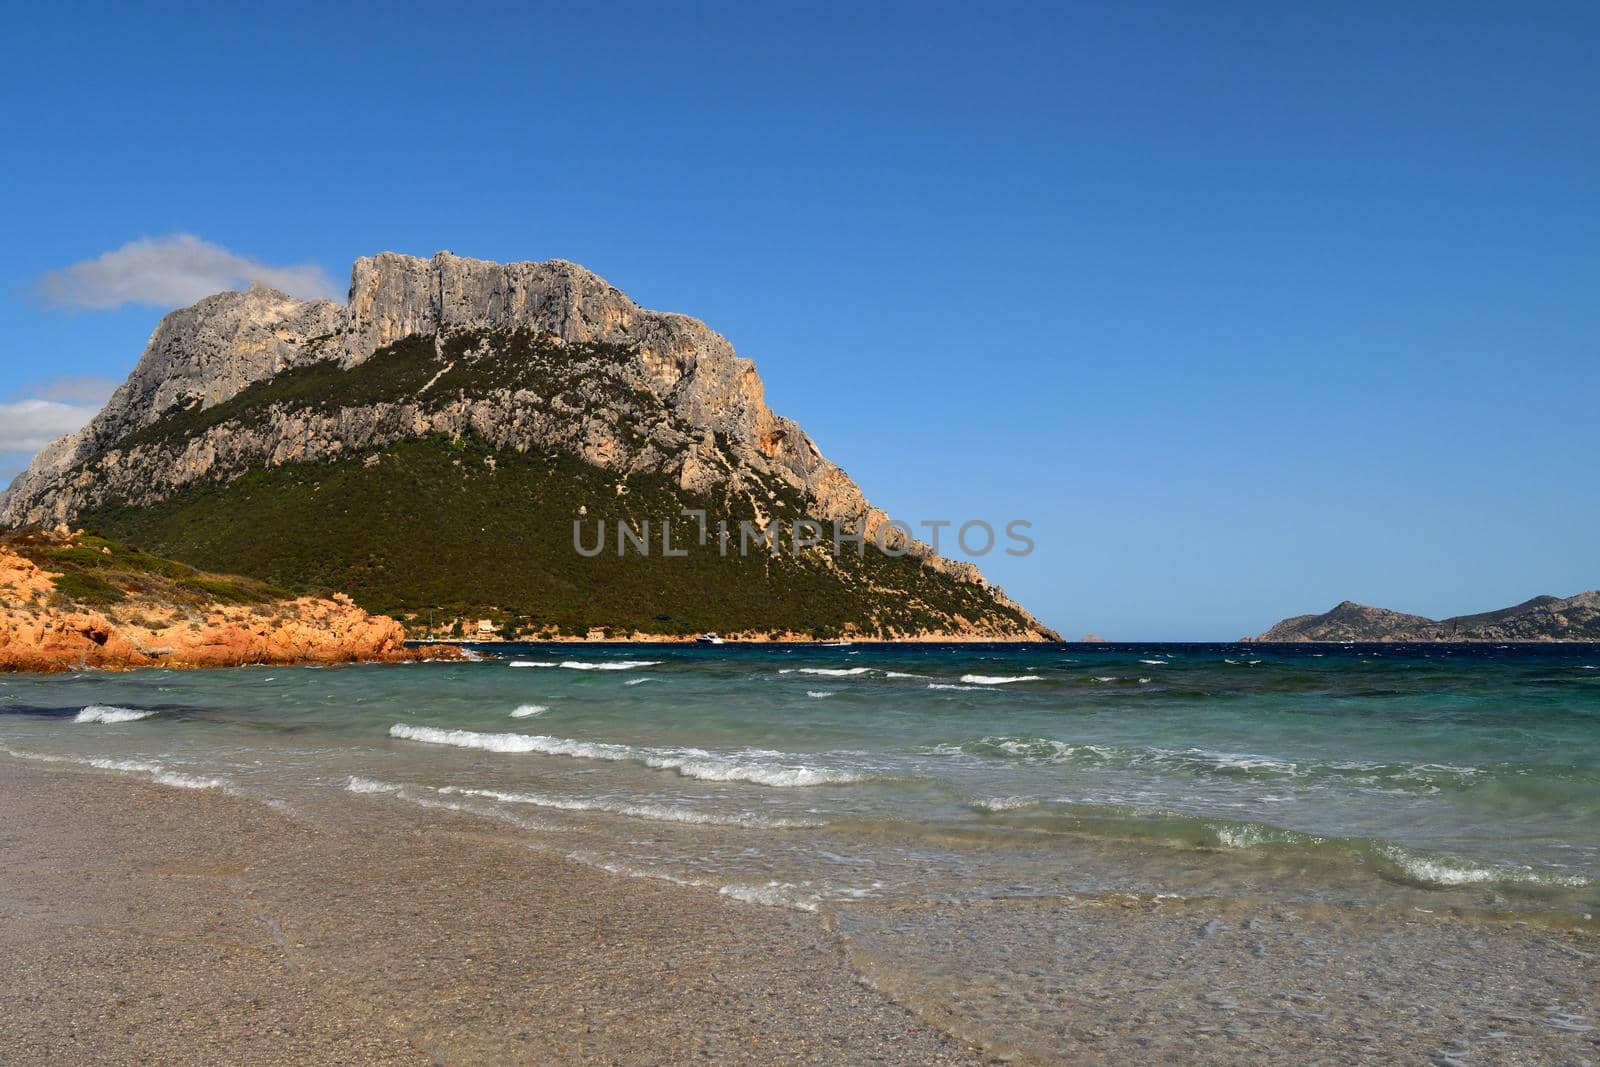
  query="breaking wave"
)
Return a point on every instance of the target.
[
  {"x": 999, "y": 679},
  {"x": 106, "y": 713},
  {"x": 357, "y": 784},
  {"x": 608, "y": 665},
  {"x": 759, "y": 767}
]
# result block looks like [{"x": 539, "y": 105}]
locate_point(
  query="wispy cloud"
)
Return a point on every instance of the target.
[
  {"x": 50, "y": 410},
  {"x": 74, "y": 389},
  {"x": 173, "y": 271},
  {"x": 29, "y": 425}
]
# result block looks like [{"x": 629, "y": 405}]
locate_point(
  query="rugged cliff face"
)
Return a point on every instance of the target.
[
  {"x": 527, "y": 358},
  {"x": 1544, "y": 618}
]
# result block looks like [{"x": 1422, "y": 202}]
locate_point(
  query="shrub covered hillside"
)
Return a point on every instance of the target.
[{"x": 434, "y": 530}]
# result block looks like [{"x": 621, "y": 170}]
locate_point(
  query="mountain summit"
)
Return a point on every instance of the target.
[{"x": 429, "y": 445}]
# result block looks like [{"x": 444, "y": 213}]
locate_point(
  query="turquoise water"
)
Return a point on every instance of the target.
[{"x": 814, "y": 777}]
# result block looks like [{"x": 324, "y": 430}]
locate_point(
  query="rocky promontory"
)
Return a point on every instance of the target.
[{"x": 70, "y": 601}]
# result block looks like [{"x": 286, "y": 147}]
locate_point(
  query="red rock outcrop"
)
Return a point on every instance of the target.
[{"x": 42, "y": 630}]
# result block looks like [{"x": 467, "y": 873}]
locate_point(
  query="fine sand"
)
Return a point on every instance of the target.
[
  {"x": 153, "y": 924},
  {"x": 144, "y": 923}
]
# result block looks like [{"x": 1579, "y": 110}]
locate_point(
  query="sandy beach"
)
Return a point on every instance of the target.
[
  {"x": 189, "y": 926},
  {"x": 178, "y": 926}
]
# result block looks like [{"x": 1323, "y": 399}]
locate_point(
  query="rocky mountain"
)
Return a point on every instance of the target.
[
  {"x": 1544, "y": 618},
  {"x": 428, "y": 446}
]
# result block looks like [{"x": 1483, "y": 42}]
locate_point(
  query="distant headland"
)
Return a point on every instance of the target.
[{"x": 1544, "y": 618}]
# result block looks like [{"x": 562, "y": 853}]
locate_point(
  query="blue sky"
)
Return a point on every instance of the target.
[{"x": 1249, "y": 308}]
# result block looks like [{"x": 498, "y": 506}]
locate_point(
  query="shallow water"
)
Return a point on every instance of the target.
[
  {"x": 1027, "y": 846},
  {"x": 807, "y": 776}
]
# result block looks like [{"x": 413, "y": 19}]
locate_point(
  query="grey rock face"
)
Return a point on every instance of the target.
[
  {"x": 201, "y": 354},
  {"x": 204, "y": 355}
]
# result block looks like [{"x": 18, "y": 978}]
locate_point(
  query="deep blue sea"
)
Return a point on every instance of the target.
[{"x": 819, "y": 777}]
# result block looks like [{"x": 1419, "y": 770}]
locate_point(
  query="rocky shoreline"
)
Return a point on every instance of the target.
[{"x": 69, "y": 601}]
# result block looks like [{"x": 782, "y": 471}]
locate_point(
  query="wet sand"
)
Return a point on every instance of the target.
[{"x": 141, "y": 922}]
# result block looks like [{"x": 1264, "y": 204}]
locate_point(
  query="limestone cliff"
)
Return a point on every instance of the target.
[{"x": 524, "y": 356}]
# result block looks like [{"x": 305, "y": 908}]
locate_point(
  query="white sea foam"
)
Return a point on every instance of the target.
[
  {"x": 529, "y": 663},
  {"x": 187, "y": 781},
  {"x": 1146, "y": 681},
  {"x": 754, "y": 766},
  {"x": 948, "y": 685},
  {"x": 608, "y": 665},
  {"x": 903, "y": 674},
  {"x": 1155, "y": 662},
  {"x": 1104, "y": 678},
  {"x": 773, "y": 895},
  {"x": 638, "y": 681},
  {"x": 154, "y": 772},
  {"x": 131, "y": 766},
  {"x": 358, "y": 784},
  {"x": 157, "y": 773},
  {"x": 486, "y": 813},
  {"x": 528, "y": 711},
  {"x": 997, "y": 804},
  {"x": 999, "y": 679},
  {"x": 592, "y": 859},
  {"x": 656, "y": 812},
  {"x": 1441, "y": 872},
  {"x": 821, "y": 694},
  {"x": 498, "y": 742},
  {"x": 1245, "y": 836},
  {"x": 106, "y": 713},
  {"x": 830, "y": 672}
]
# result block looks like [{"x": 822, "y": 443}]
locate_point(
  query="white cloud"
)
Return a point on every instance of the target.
[
  {"x": 75, "y": 389},
  {"x": 173, "y": 271},
  {"x": 29, "y": 425}
]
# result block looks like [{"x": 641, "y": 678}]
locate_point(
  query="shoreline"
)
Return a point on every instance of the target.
[{"x": 190, "y": 925}]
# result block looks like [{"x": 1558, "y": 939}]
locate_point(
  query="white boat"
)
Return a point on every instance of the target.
[
  {"x": 834, "y": 644},
  {"x": 709, "y": 639}
]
